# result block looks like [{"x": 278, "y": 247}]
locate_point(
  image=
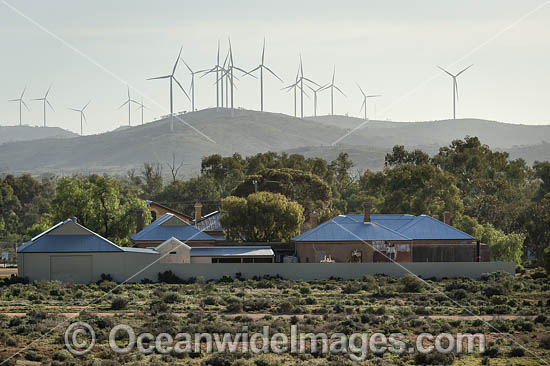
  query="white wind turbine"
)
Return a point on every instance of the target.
[
  {"x": 261, "y": 67},
  {"x": 45, "y": 101},
  {"x": 128, "y": 101},
  {"x": 299, "y": 84},
  {"x": 333, "y": 86},
  {"x": 192, "y": 87},
  {"x": 141, "y": 107},
  {"x": 172, "y": 78},
  {"x": 21, "y": 103},
  {"x": 365, "y": 97},
  {"x": 82, "y": 115},
  {"x": 455, "y": 86}
]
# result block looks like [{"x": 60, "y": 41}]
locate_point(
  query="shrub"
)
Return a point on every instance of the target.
[
  {"x": 119, "y": 303},
  {"x": 221, "y": 359},
  {"x": 33, "y": 356},
  {"x": 310, "y": 300},
  {"x": 61, "y": 355},
  {"x": 171, "y": 297},
  {"x": 234, "y": 305},
  {"x": 210, "y": 300},
  {"x": 412, "y": 283},
  {"x": 351, "y": 287},
  {"x": 545, "y": 342},
  {"x": 491, "y": 352},
  {"x": 517, "y": 352},
  {"x": 286, "y": 307},
  {"x": 305, "y": 290},
  {"x": 494, "y": 289}
]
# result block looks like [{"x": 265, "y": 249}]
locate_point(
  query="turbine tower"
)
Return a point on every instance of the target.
[
  {"x": 141, "y": 107},
  {"x": 82, "y": 115},
  {"x": 261, "y": 67},
  {"x": 192, "y": 87},
  {"x": 230, "y": 75},
  {"x": 333, "y": 86},
  {"x": 455, "y": 86},
  {"x": 365, "y": 97},
  {"x": 299, "y": 84},
  {"x": 45, "y": 101},
  {"x": 128, "y": 101},
  {"x": 21, "y": 103},
  {"x": 217, "y": 69},
  {"x": 315, "y": 91},
  {"x": 172, "y": 78}
]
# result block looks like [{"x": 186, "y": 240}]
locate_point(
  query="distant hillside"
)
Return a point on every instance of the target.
[
  {"x": 250, "y": 132},
  {"x": 495, "y": 134},
  {"x": 27, "y": 133}
]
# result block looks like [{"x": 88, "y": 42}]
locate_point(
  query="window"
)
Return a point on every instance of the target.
[
  {"x": 173, "y": 252},
  {"x": 248, "y": 260},
  {"x": 263, "y": 260}
]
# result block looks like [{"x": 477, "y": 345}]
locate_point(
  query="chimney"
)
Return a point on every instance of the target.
[
  {"x": 198, "y": 211},
  {"x": 139, "y": 220},
  {"x": 366, "y": 211},
  {"x": 74, "y": 219},
  {"x": 447, "y": 217},
  {"x": 314, "y": 219}
]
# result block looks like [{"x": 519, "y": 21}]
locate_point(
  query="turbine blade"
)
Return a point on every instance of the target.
[
  {"x": 311, "y": 81},
  {"x": 374, "y": 96},
  {"x": 448, "y": 73},
  {"x": 48, "y": 91},
  {"x": 47, "y": 101},
  {"x": 263, "y": 52},
  {"x": 160, "y": 77},
  {"x": 272, "y": 73},
  {"x": 464, "y": 70},
  {"x": 341, "y": 92},
  {"x": 176, "y": 63},
  {"x": 74, "y": 109},
  {"x": 333, "y": 73},
  {"x": 363, "y": 105},
  {"x": 188, "y": 68},
  {"x": 87, "y": 104},
  {"x": 123, "y": 104},
  {"x": 456, "y": 88},
  {"x": 251, "y": 71},
  {"x": 25, "y": 104},
  {"x": 181, "y": 87},
  {"x": 362, "y": 92},
  {"x": 24, "y": 89},
  {"x": 84, "y": 116}
]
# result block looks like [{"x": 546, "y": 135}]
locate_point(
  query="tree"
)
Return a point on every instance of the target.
[
  {"x": 303, "y": 187},
  {"x": 151, "y": 175},
  {"x": 227, "y": 172},
  {"x": 261, "y": 216},
  {"x": 174, "y": 167},
  {"x": 414, "y": 189},
  {"x": 9, "y": 206},
  {"x": 182, "y": 195},
  {"x": 542, "y": 172},
  {"x": 401, "y": 156},
  {"x": 100, "y": 203}
]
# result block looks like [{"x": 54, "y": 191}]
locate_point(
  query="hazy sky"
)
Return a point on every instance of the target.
[{"x": 389, "y": 47}]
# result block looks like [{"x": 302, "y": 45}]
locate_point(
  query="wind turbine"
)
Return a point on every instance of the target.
[
  {"x": 82, "y": 115},
  {"x": 128, "y": 101},
  {"x": 142, "y": 107},
  {"x": 230, "y": 75},
  {"x": 299, "y": 84},
  {"x": 333, "y": 86},
  {"x": 365, "y": 97},
  {"x": 455, "y": 86},
  {"x": 217, "y": 69},
  {"x": 315, "y": 91},
  {"x": 261, "y": 67},
  {"x": 172, "y": 78},
  {"x": 45, "y": 101},
  {"x": 192, "y": 87},
  {"x": 21, "y": 102}
]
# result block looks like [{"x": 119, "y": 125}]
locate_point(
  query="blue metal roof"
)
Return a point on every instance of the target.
[
  {"x": 160, "y": 231},
  {"x": 242, "y": 251},
  {"x": 344, "y": 228},
  {"x": 383, "y": 227}
]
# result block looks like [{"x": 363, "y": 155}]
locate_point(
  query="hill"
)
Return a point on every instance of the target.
[
  {"x": 250, "y": 132},
  {"x": 28, "y": 133},
  {"x": 495, "y": 134}
]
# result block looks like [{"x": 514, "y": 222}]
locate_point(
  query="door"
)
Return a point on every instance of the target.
[{"x": 71, "y": 268}]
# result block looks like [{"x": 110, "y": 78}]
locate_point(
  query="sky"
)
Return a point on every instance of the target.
[{"x": 91, "y": 50}]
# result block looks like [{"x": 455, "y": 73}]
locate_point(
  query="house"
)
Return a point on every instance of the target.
[
  {"x": 175, "y": 251},
  {"x": 157, "y": 210},
  {"x": 69, "y": 252},
  {"x": 388, "y": 237},
  {"x": 170, "y": 226},
  {"x": 210, "y": 224}
]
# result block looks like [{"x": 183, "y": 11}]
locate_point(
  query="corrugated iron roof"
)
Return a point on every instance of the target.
[
  {"x": 243, "y": 251},
  {"x": 157, "y": 231},
  {"x": 210, "y": 222},
  {"x": 398, "y": 226}
]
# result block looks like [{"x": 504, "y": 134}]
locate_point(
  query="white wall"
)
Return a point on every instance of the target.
[{"x": 133, "y": 267}]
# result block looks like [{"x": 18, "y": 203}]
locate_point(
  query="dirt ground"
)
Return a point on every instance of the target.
[{"x": 6, "y": 272}]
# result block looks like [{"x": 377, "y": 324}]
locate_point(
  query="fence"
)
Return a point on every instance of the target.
[{"x": 9, "y": 246}]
